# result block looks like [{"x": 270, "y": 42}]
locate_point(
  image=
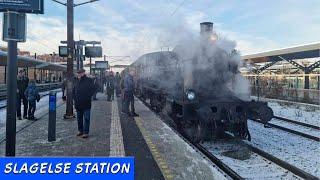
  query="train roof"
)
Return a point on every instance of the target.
[{"x": 157, "y": 53}]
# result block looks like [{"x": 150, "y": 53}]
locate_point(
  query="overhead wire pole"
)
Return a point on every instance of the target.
[{"x": 70, "y": 44}]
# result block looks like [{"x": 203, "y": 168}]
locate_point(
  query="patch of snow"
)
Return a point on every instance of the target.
[{"x": 298, "y": 151}]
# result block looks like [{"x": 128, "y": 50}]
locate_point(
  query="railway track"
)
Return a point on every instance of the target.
[
  {"x": 267, "y": 165},
  {"x": 298, "y": 123},
  {"x": 42, "y": 89},
  {"x": 296, "y": 132},
  {"x": 25, "y": 125}
]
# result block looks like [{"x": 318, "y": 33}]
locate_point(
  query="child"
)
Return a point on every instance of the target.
[{"x": 32, "y": 95}]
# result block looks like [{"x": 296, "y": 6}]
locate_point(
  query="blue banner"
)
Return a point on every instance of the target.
[{"x": 67, "y": 168}]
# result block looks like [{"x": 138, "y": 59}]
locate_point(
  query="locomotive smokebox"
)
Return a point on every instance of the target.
[{"x": 206, "y": 27}]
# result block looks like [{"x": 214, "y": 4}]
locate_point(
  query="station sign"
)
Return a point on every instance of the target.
[
  {"x": 16, "y": 30},
  {"x": 93, "y": 51},
  {"x": 22, "y": 6},
  {"x": 101, "y": 64},
  {"x": 63, "y": 51}
]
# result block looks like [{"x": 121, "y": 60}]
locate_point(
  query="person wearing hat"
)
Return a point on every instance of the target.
[
  {"x": 82, "y": 93},
  {"x": 22, "y": 84}
]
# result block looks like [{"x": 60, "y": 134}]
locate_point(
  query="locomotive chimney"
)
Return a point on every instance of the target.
[
  {"x": 207, "y": 34},
  {"x": 206, "y": 28}
]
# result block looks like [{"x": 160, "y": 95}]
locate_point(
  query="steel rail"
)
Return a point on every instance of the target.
[
  {"x": 308, "y": 136},
  {"x": 297, "y": 122}
]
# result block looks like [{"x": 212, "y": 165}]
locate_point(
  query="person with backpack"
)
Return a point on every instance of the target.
[{"x": 32, "y": 95}]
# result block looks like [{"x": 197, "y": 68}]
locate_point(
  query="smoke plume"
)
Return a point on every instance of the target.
[{"x": 207, "y": 63}]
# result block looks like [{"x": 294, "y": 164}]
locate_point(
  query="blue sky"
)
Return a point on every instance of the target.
[{"x": 134, "y": 27}]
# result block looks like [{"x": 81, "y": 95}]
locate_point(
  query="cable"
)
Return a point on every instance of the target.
[{"x": 178, "y": 8}]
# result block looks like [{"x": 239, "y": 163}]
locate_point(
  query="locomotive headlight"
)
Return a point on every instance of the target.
[{"x": 191, "y": 95}]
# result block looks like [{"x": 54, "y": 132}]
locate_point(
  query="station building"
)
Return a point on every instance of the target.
[
  {"x": 291, "y": 73},
  {"x": 42, "y": 68}
]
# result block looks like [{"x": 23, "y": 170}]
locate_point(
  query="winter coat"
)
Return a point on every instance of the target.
[
  {"x": 22, "y": 84},
  {"x": 128, "y": 83},
  {"x": 32, "y": 93},
  {"x": 83, "y": 91},
  {"x": 110, "y": 82},
  {"x": 117, "y": 80}
]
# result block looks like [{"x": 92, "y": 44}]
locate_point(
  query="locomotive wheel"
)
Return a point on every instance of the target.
[{"x": 193, "y": 132}]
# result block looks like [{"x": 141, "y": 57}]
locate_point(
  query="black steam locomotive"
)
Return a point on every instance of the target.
[{"x": 201, "y": 103}]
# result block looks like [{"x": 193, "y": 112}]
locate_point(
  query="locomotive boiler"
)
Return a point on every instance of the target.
[{"x": 199, "y": 85}]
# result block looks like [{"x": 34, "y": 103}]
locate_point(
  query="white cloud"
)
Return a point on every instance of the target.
[{"x": 147, "y": 26}]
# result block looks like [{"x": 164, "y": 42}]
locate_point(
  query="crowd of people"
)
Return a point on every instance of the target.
[{"x": 85, "y": 90}]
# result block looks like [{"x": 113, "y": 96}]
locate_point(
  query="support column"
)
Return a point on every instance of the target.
[
  {"x": 306, "y": 81},
  {"x": 11, "y": 98},
  {"x": 70, "y": 39}
]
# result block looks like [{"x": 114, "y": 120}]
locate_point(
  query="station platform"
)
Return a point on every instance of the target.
[{"x": 158, "y": 151}]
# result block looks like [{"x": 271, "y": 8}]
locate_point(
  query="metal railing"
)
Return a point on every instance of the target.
[{"x": 311, "y": 96}]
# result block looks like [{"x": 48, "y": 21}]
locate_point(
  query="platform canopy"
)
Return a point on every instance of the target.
[
  {"x": 291, "y": 53},
  {"x": 32, "y": 62}
]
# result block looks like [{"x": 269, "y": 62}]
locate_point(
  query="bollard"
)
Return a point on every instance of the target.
[{"x": 52, "y": 116}]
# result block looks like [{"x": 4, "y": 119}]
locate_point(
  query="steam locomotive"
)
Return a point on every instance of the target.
[{"x": 201, "y": 103}]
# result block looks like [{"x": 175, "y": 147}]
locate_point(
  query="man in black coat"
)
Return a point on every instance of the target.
[
  {"x": 129, "y": 86},
  {"x": 82, "y": 94},
  {"x": 22, "y": 84}
]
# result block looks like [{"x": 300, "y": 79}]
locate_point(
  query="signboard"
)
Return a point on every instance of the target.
[
  {"x": 94, "y": 51},
  {"x": 63, "y": 51},
  {"x": 22, "y": 6},
  {"x": 101, "y": 64},
  {"x": 16, "y": 30}
]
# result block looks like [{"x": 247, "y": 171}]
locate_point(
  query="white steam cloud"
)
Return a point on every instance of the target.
[{"x": 207, "y": 63}]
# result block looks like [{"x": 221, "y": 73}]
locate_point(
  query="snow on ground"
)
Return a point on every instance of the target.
[
  {"x": 306, "y": 130},
  {"x": 42, "y": 108},
  {"x": 298, "y": 151},
  {"x": 307, "y": 113},
  {"x": 250, "y": 165},
  {"x": 3, "y": 103}
]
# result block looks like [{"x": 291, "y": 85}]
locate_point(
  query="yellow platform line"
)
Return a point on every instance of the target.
[{"x": 161, "y": 162}]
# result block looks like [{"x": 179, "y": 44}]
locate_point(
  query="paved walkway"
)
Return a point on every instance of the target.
[
  {"x": 159, "y": 153},
  {"x": 32, "y": 141}
]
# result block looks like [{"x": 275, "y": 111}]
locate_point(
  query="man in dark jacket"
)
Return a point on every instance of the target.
[
  {"x": 128, "y": 93},
  {"x": 96, "y": 83},
  {"x": 22, "y": 84},
  {"x": 83, "y": 92},
  {"x": 110, "y": 86},
  {"x": 117, "y": 80}
]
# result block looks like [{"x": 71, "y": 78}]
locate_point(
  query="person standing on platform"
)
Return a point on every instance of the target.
[
  {"x": 32, "y": 95},
  {"x": 96, "y": 85},
  {"x": 123, "y": 103},
  {"x": 22, "y": 84},
  {"x": 129, "y": 93},
  {"x": 83, "y": 91},
  {"x": 63, "y": 88},
  {"x": 117, "y": 80},
  {"x": 110, "y": 86}
]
